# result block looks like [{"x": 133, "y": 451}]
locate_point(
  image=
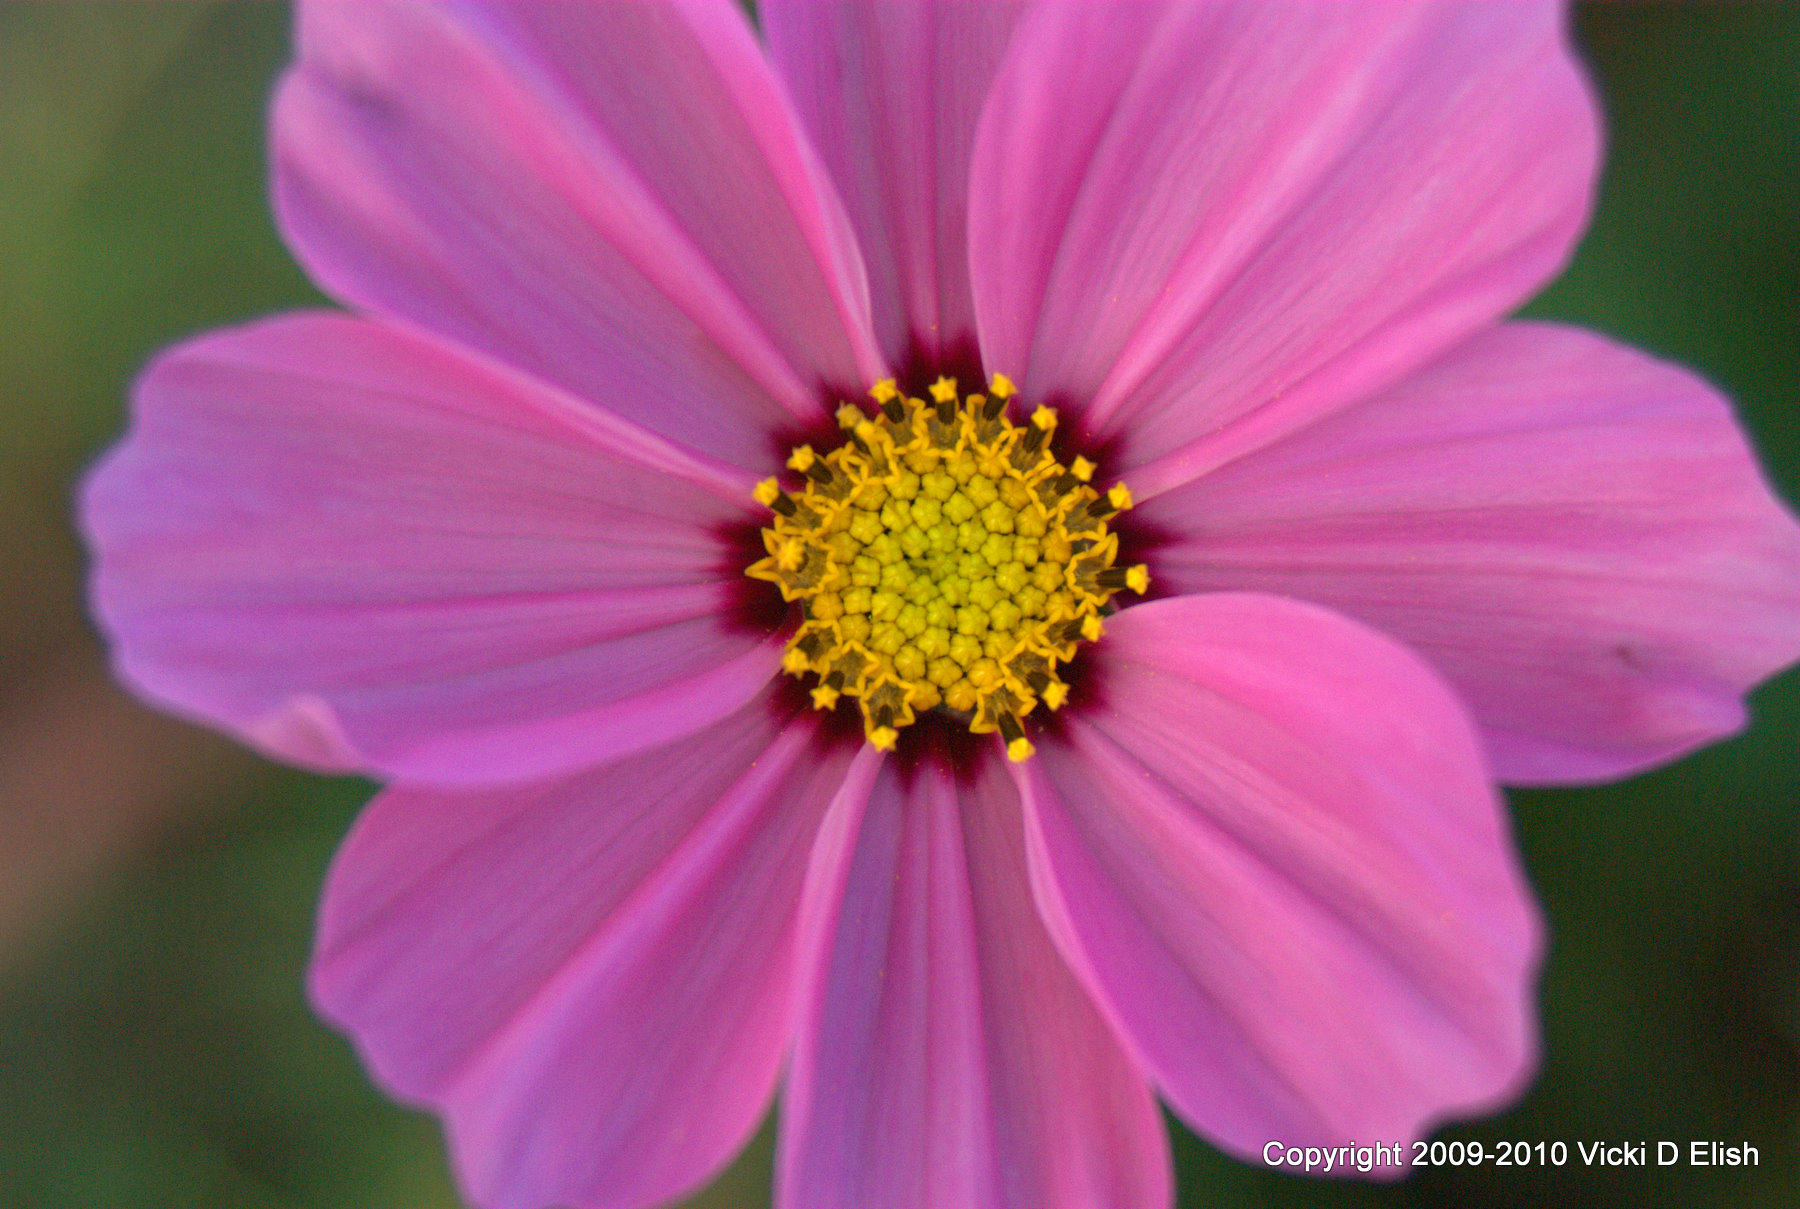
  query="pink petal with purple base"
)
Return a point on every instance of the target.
[
  {"x": 615, "y": 197},
  {"x": 1575, "y": 534},
  {"x": 891, "y": 94},
  {"x": 1202, "y": 224},
  {"x": 592, "y": 979},
  {"x": 358, "y": 549},
  {"x": 1271, "y": 851},
  {"x": 946, "y": 1057}
]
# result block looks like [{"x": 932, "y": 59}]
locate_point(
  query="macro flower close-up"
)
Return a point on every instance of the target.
[{"x": 961, "y": 570}]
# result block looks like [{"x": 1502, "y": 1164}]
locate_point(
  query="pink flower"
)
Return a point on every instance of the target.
[{"x": 483, "y": 539}]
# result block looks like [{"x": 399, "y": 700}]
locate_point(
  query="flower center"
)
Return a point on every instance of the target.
[{"x": 943, "y": 559}]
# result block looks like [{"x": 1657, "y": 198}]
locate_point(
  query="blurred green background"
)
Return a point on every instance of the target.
[{"x": 156, "y": 884}]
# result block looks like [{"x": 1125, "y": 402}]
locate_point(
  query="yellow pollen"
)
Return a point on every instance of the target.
[{"x": 943, "y": 559}]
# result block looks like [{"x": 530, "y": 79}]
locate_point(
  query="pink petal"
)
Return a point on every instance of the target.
[
  {"x": 357, "y": 549},
  {"x": 1575, "y": 535},
  {"x": 592, "y": 979},
  {"x": 615, "y": 197},
  {"x": 1271, "y": 852},
  {"x": 891, "y": 93},
  {"x": 1200, "y": 224},
  {"x": 946, "y": 1057}
]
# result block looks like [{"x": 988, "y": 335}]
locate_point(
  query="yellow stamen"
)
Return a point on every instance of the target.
[{"x": 942, "y": 561}]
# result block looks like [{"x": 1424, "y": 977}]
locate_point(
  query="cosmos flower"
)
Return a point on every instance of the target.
[{"x": 979, "y": 563}]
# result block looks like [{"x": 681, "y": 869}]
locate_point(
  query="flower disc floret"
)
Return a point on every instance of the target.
[{"x": 943, "y": 559}]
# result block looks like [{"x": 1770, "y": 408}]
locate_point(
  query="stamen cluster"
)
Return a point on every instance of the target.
[{"x": 943, "y": 559}]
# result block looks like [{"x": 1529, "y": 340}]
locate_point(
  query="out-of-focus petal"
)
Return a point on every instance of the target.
[
  {"x": 1271, "y": 851},
  {"x": 355, "y": 548},
  {"x": 1575, "y": 534},
  {"x": 1201, "y": 224},
  {"x": 592, "y": 979},
  {"x": 891, "y": 93},
  {"x": 946, "y": 1057},
  {"x": 616, "y": 197}
]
